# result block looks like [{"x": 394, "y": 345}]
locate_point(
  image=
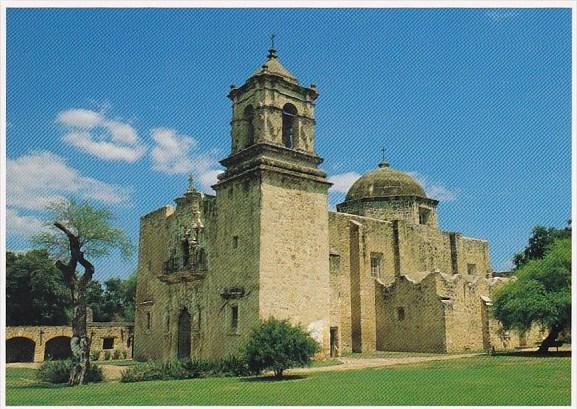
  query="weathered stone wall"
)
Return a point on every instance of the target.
[
  {"x": 467, "y": 325},
  {"x": 410, "y": 316},
  {"x": 423, "y": 249},
  {"x": 120, "y": 332},
  {"x": 394, "y": 208},
  {"x": 234, "y": 264},
  {"x": 294, "y": 262},
  {"x": 474, "y": 252},
  {"x": 355, "y": 238}
]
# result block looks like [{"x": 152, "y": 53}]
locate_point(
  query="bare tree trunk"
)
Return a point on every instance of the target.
[
  {"x": 79, "y": 343},
  {"x": 549, "y": 340}
]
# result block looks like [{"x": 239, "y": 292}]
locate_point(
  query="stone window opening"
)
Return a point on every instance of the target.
[
  {"x": 234, "y": 319},
  {"x": 400, "y": 314},
  {"x": 148, "y": 320},
  {"x": 472, "y": 269},
  {"x": 234, "y": 242},
  {"x": 424, "y": 215},
  {"x": 376, "y": 264},
  {"x": 335, "y": 264},
  {"x": 107, "y": 343},
  {"x": 289, "y": 115},
  {"x": 249, "y": 117}
]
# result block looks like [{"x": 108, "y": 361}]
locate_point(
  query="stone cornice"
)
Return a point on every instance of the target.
[{"x": 425, "y": 200}]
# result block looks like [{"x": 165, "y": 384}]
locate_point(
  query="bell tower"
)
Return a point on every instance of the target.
[
  {"x": 272, "y": 209},
  {"x": 272, "y": 108}
]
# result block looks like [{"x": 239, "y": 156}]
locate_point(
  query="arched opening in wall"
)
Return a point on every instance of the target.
[
  {"x": 184, "y": 334},
  {"x": 58, "y": 348},
  {"x": 249, "y": 117},
  {"x": 20, "y": 349},
  {"x": 289, "y": 115}
]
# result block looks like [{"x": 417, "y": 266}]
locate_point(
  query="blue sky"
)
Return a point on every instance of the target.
[{"x": 118, "y": 106}]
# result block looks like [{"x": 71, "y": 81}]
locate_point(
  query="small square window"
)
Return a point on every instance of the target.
[
  {"x": 472, "y": 269},
  {"x": 234, "y": 242},
  {"x": 234, "y": 319},
  {"x": 107, "y": 343},
  {"x": 400, "y": 314}
]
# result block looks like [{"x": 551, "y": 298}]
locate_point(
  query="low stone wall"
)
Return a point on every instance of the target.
[{"x": 36, "y": 343}]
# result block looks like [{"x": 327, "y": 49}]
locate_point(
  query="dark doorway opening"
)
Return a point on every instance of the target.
[
  {"x": 20, "y": 349},
  {"x": 334, "y": 341},
  {"x": 184, "y": 334},
  {"x": 58, "y": 348}
]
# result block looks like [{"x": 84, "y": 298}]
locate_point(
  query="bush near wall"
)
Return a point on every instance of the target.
[
  {"x": 186, "y": 369},
  {"x": 59, "y": 372}
]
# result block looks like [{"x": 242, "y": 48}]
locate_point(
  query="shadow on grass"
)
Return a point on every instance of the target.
[
  {"x": 273, "y": 378},
  {"x": 535, "y": 354}
]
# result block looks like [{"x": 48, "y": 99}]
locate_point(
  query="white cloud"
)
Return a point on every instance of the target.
[
  {"x": 97, "y": 135},
  {"x": 18, "y": 225},
  {"x": 80, "y": 118},
  {"x": 174, "y": 154},
  {"x": 342, "y": 182},
  {"x": 34, "y": 180},
  {"x": 433, "y": 189}
]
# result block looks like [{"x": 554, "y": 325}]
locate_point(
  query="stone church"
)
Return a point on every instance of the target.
[{"x": 377, "y": 274}]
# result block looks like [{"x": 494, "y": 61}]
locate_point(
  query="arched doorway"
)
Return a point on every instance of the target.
[
  {"x": 58, "y": 348},
  {"x": 184, "y": 329},
  {"x": 20, "y": 349}
]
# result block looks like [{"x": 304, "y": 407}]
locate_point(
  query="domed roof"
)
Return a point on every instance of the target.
[{"x": 383, "y": 182}]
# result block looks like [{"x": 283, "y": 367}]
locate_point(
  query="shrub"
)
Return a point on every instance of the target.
[
  {"x": 156, "y": 370},
  {"x": 124, "y": 354},
  {"x": 59, "y": 372},
  {"x": 278, "y": 345},
  {"x": 116, "y": 355},
  {"x": 95, "y": 355},
  {"x": 186, "y": 369},
  {"x": 106, "y": 355},
  {"x": 231, "y": 365}
]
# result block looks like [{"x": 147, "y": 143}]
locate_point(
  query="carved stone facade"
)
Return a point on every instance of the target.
[{"x": 377, "y": 274}]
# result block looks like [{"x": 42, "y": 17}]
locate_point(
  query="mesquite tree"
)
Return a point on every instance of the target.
[
  {"x": 540, "y": 295},
  {"x": 79, "y": 231}
]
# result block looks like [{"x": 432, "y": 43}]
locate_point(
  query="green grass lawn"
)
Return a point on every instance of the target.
[{"x": 483, "y": 380}]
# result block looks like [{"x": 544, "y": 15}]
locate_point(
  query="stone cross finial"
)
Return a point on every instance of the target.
[
  {"x": 272, "y": 50},
  {"x": 383, "y": 163},
  {"x": 191, "y": 183}
]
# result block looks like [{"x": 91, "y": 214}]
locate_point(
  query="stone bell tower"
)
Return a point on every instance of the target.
[{"x": 272, "y": 206}]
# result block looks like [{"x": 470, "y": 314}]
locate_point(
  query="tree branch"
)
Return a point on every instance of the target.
[
  {"x": 88, "y": 270},
  {"x": 69, "y": 270}
]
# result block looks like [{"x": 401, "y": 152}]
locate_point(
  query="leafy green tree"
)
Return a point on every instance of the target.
[
  {"x": 36, "y": 293},
  {"x": 278, "y": 345},
  {"x": 79, "y": 232},
  {"x": 129, "y": 297},
  {"x": 541, "y": 239},
  {"x": 541, "y": 294}
]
